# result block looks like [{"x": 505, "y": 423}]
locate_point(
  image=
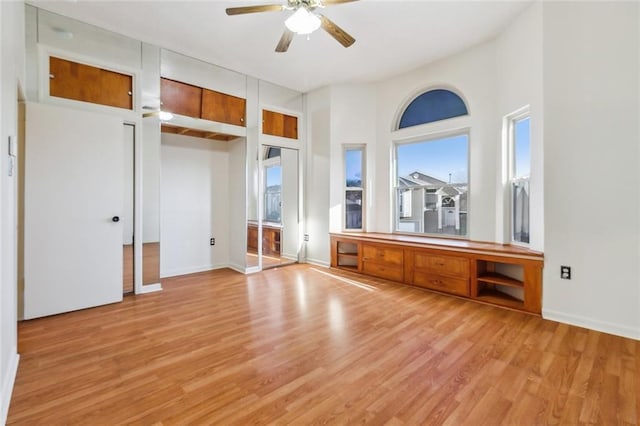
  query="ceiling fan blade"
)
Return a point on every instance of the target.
[
  {"x": 285, "y": 41},
  {"x": 330, "y": 2},
  {"x": 254, "y": 9},
  {"x": 336, "y": 32}
]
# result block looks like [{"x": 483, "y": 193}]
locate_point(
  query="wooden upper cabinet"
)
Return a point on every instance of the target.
[
  {"x": 278, "y": 124},
  {"x": 224, "y": 108},
  {"x": 180, "y": 98},
  {"x": 80, "y": 82}
]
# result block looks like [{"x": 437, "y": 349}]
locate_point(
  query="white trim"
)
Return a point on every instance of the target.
[
  {"x": 45, "y": 51},
  {"x": 191, "y": 270},
  {"x": 7, "y": 384},
  {"x": 238, "y": 268},
  {"x": 207, "y": 125},
  {"x": 426, "y": 136},
  {"x": 363, "y": 178},
  {"x": 278, "y": 140},
  {"x": 422, "y": 90},
  {"x": 252, "y": 269},
  {"x": 149, "y": 288},
  {"x": 590, "y": 323},
  {"x": 509, "y": 121},
  {"x": 318, "y": 262}
]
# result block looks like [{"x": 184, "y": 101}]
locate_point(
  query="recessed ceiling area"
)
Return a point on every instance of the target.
[{"x": 391, "y": 36}]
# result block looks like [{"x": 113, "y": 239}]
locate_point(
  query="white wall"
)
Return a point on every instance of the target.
[
  {"x": 195, "y": 189},
  {"x": 591, "y": 163},
  {"x": 12, "y": 76},
  {"x": 317, "y": 170},
  {"x": 237, "y": 205},
  {"x": 471, "y": 73},
  {"x": 519, "y": 83},
  {"x": 353, "y": 114}
]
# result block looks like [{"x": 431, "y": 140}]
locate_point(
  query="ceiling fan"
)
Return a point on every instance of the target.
[{"x": 304, "y": 20}]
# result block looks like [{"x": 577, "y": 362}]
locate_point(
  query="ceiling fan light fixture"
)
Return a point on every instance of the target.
[{"x": 302, "y": 21}]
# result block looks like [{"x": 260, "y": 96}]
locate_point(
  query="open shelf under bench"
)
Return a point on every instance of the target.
[{"x": 498, "y": 274}]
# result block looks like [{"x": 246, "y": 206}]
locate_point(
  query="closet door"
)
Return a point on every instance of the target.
[{"x": 73, "y": 203}]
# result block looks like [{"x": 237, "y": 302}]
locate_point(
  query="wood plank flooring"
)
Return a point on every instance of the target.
[{"x": 306, "y": 345}]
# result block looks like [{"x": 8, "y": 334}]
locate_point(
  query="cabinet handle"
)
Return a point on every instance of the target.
[
  {"x": 129, "y": 93},
  {"x": 242, "y": 119},
  {"x": 52, "y": 76}
]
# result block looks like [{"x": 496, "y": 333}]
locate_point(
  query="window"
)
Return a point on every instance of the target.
[
  {"x": 433, "y": 105},
  {"x": 519, "y": 172},
  {"x": 432, "y": 186},
  {"x": 272, "y": 185},
  {"x": 354, "y": 187}
]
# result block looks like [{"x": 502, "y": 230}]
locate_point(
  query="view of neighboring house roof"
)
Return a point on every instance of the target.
[{"x": 417, "y": 178}]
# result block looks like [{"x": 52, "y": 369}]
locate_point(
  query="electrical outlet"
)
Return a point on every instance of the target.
[
  {"x": 306, "y": 237},
  {"x": 565, "y": 272},
  {"x": 212, "y": 241}
]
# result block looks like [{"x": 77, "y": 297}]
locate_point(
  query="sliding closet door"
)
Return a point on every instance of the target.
[{"x": 73, "y": 204}]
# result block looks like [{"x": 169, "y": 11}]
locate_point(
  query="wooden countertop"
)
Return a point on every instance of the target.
[{"x": 444, "y": 244}]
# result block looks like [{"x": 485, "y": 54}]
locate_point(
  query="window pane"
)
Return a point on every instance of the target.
[
  {"x": 432, "y": 186},
  {"x": 434, "y": 105},
  {"x": 522, "y": 149},
  {"x": 353, "y": 165},
  {"x": 520, "y": 203},
  {"x": 353, "y": 210},
  {"x": 273, "y": 189}
]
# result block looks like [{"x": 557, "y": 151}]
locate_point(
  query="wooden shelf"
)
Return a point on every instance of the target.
[
  {"x": 499, "y": 298},
  {"x": 351, "y": 255},
  {"x": 495, "y": 274},
  {"x": 495, "y": 278},
  {"x": 350, "y": 267}
]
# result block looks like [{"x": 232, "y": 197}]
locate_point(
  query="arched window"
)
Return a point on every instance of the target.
[{"x": 433, "y": 105}]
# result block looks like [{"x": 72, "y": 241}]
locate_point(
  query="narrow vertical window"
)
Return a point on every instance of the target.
[
  {"x": 354, "y": 188},
  {"x": 520, "y": 144}
]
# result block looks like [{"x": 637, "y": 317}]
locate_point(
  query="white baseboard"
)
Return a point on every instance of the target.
[
  {"x": 7, "y": 386},
  {"x": 590, "y": 323},
  {"x": 317, "y": 262},
  {"x": 238, "y": 268},
  {"x": 150, "y": 288},
  {"x": 190, "y": 270}
]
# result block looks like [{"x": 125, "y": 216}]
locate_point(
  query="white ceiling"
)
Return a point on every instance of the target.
[{"x": 392, "y": 36}]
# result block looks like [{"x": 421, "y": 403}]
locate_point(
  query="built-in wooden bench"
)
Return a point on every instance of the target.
[{"x": 498, "y": 274}]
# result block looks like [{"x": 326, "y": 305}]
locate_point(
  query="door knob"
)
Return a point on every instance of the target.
[{"x": 115, "y": 219}]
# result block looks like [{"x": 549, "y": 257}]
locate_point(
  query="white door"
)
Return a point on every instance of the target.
[{"x": 73, "y": 193}]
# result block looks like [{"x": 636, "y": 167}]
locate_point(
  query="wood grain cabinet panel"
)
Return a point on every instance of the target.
[
  {"x": 459, "y": 286},
  {"x": 223, "y": 108},
  {"x": 382, "y": 254},
  {"x": 383, "y": 261},
  {"x": 447, "y": 265},
  {"x": 181, "y": 98},
  {"x": 80, "y": 82},
  {"x": 278, "y": 124},
  {"x": 383, "y": 271}
]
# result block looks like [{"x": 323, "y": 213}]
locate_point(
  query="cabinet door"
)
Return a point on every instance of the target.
[
  {"x": 447, "y": 265},
  {"x": 442, "y": 283},
  {"x": 384, "y": 255},
  {"x": 278, "y": 124},
  {"x": 224, "y": 108},
  {"x": 80, "y": 82},
  {"x": 180, "y": 98}
]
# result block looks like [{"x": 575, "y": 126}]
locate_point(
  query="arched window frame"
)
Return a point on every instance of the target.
[
  {"x": 454, "y": 126},
  {"x": 416, "y": 94}
]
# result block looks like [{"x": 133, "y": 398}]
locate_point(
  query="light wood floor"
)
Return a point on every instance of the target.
[{"x": 301, "y": 345}]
